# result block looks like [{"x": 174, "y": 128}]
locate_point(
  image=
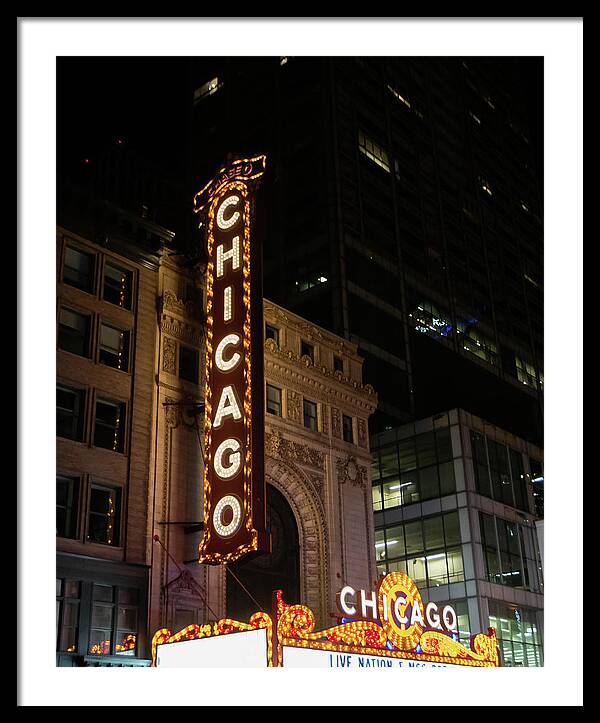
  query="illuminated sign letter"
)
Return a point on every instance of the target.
[
  {"x": 400, "y": 600},
  {"x": 433, "y": 618},
  {"x": 221, "y": 222},
  {"x": 344, "y": 606},
  {"x": 228, "y": 405},
  {"x": 229, "y": 340},
  {"x": 449, "y": 617},
  {"x": 223, "y": 256},
  {"x": 235, "y": 458},
  {"x": 416, "y": 615},
  {"x": 370, "y": 602}
]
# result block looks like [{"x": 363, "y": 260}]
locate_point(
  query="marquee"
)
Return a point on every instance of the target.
[{"x": 398, "y": 637}]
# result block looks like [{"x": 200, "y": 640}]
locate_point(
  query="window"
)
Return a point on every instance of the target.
[
  {"x": 67, "y": 496},
  {"x": 518, "y": 634},
  {"x": 273, "y": 400},
  {"x": 397, "y": 95},
  {"x": 338, "y": 364},
  {"x": 114, "y": 347},
  {"x": 105, "y": 514},
  {"x": 526, "y": 372},
  {"x": 537, "y": 483},
  {"x": 347, "y": 429},
  {"x": 477, "y": 343},
  {"x": 189, "y": 364},
  {"x": 212, "y": 86},
  {"x": 310, "y": 415},
  {"x": 117, "y": 286},
  {"x": 510, "y": 553},
  {"x": 70, "y": 404},
  {"x": 417, "y": 469},
  {"x": 68, "y": 597},
  {"x": 499, "y": 472},
  {"x": 373, "y": 151},
  {"x": 272, "y": 332},
  {"x": 114, "y": 621},
  {"x": 109, "y": 430},
  {"x": 309, "y": 282},
  {"x": 307, "y": 349},
  {"x": 428, "y": 550},
  {"x": 78, "y": 269},
  {"x": 74, "y": 332}
]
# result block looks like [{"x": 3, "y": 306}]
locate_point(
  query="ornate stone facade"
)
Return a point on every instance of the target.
[{"x": 322, "y": 478}]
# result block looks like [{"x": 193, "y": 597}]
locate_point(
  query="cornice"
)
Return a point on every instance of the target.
[
  {"x": 309, "y": 331},
  {"x": 300, "y": 374}
]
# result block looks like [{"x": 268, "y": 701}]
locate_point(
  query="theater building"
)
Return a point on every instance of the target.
[{"x": 130, "y": 334}]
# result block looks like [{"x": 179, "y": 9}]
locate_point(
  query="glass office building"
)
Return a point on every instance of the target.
[{"x": 454, "y": 509}]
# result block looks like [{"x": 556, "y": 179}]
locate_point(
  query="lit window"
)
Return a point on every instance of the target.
[
  {"x": 428, "y": 320},
  {"x": 283, "y": 61},
  {"x": 105, "y": 514},
  {"x": 117, "y": 286},
  {"x": 400, "y": 98},
  {"x": 485, "y": 185},
  {"x": 68, "y": 595},
  {"x": 525, "y": 372},
  {"x": 207, "y": 89},
  {"x": 113, "y": 621},
  {"x": 477, "y": 343},
  {"x": 109, "y": 430},
  {"x": 114, "y": 347},
  {"x": 373, "y": 151},
  {"x": 310, "y": 281}
]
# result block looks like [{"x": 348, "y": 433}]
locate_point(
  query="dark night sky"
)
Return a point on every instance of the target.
[
  {"x": 143, "y": 100},
  {"x": 146, "y": 102}
]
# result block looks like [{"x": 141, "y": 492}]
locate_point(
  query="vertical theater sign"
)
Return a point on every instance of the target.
[{"x": 234, "y": 484}]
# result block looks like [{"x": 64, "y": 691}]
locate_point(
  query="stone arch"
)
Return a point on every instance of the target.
[{"x": 304, "y": 500}]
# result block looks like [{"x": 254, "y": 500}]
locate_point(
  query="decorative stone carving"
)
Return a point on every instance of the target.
[
  {"x": 169, "y": 356},
  {"x": 170, "y": 302},
  {"x": 270, "y": 345},
  {"x": 336, "y": 422},
  {"x": 318, "y": 483},
  {"x": 294, "y": 410},
  {"x": 362, "y": 433},
  {"x": 306, "y": 360},
  {"x": 348, "y": 470},
  {"x": 172, "y": 413},
  {"x": 279, "y": 447},
  {"x": 180, "y": 330},
  {"x": 325, "y": 419}
]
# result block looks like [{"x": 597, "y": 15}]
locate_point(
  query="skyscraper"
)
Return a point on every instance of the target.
[{"x": 404, "y": 213}]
